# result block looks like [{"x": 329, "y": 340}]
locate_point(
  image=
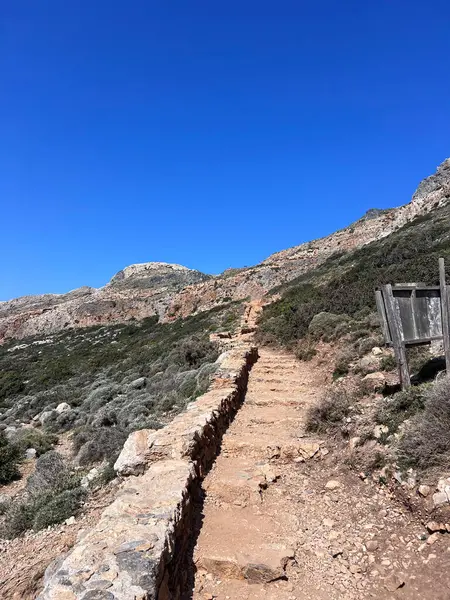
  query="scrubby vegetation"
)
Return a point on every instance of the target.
[
  {"x": 96, "y": 385},
  {"x": 396, "y": 409},
  {"x": 329, "y": 414},
  {"x": 425, "y": 443},
  {"x": 335, "y": 304},
  {"x": 121, "y": 377},
  {"x": 10, "y": 458},
  {"x": 345, "y": 283},
  {"x": 53, "y": 494}
]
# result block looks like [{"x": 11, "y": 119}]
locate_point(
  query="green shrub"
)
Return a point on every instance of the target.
[
  {"x": 51, "y": 472},
  {"x": 10, "y": 459},
  {"x": 305, "y": 350},
  {"x": 425, "y": 443},
  {"x": 323, "y": 325},
  {"x": 18, "y": 519},
  {"x": 365, "y": 345},
  {"x": 50, "y": 510},
  {"x": 92, "y": 444},
  {"x": 330, "y": 411},
  {"x": 42, "y": 510},
  {"x": 11, "y": 384},
  {"x": 32, "y": 438},
  {"x": 388, "y": 363},
  {"x": 401, "y": 406},
  {"x": 344, "y": 358},
  {"x": 417, "y": 357}
]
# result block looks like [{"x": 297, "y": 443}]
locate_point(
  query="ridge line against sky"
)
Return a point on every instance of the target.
[{"x": 209, "y": 136}]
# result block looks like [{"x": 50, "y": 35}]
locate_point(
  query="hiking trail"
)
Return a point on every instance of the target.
[{"x": 285, "y": 519}]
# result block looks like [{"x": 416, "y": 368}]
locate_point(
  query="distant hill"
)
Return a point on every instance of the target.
[{"x": 172, "y": 291}]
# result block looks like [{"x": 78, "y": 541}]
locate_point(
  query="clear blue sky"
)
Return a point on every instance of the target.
[{"x": 207, "y": 133}]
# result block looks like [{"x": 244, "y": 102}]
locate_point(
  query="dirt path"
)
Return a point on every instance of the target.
[{"x": 285, "y": 519}]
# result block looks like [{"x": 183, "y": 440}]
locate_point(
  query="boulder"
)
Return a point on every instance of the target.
[
  {"x": 10, "y": 432},
  {"x": 369, "y": 363},
  {"x": 133, "y": 457},
  {"x": 376, "y": 382},
  {"x": 31, "y": 453},
  {"x": 45, "y": 416},
  {"x": 62, "y": 408},
  {"x": 439, "y": 499},
  {"x": 138, "y": 384}
]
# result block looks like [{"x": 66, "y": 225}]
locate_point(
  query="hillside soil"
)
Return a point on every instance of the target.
[{"x": 285, "y": 518}]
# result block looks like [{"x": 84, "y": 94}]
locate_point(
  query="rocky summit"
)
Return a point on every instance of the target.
[{"x": 172, "y": 291}]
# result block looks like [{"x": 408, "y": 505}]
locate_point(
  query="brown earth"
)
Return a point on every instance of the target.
[{"x": 284, "y": 518}]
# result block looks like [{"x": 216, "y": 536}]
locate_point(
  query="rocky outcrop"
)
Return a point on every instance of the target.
[
  {"x": 140, "y": 547},
  {"x": 139, "y": 291},
  {"x": 172, "y": 291}
]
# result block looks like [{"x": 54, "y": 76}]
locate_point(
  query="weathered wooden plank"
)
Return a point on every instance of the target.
[
  {"x": 404, "y": 309},
  {"x": 419, "y": 287},
  {"x": 422, "y": 317},
  {"x": 395, "y": 327},
  {"x": 383, "y": 318},
  {"x": 444, "y": 313}
]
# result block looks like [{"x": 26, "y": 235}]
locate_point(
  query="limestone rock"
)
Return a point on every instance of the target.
[
  {"x": 440, "y": 499},
  {"x": 372, "y": 545},
  {"x": 133, "y": 457},
  {"x": 62, "y": 408},
  {"x": 394, "y": 582},
  {"x": 434, "y": 526},
  {"x": 424, "y": 490},
  {"x": 332, "y": 484},
  {"x": 30, "y": 453},
  {"x": 138, "y": 384},
  {"x": 376, "y": 382},
  {"x": 45, "y": 416}
]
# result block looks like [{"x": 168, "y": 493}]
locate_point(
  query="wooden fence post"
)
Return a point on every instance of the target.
[
  {"x": 444, "y": 313},
  {"x": 395, "y": 327}
]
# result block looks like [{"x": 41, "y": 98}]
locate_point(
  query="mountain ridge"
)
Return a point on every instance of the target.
[{"x": 171, "y": 291}]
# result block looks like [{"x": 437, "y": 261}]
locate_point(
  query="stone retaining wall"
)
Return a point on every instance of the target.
[{"x": 140, "y": 548}]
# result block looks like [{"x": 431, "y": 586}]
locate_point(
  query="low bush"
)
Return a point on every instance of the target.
[
  {"x": 400, "y": 407},
  {"x": 51, "y": 472},
  {"x": 331, "y": 410},
  {"x": 52, "y": 509},
  {"x": 11, "y": 384},
  {"x": 305, "y": 349},
  {"x": 388, "y": 363},
  {"x": 417, "y": 357},
  {"x": 323, "y": 325},
  {"x": 344, "y": 358},
  {"x": 52, "y": 494},
  {"x": 96, "y": 444},
  {"x": 10, "y": 459},
  {"x": 426, "y": 440},
  {"x": 32, "y": 438}
]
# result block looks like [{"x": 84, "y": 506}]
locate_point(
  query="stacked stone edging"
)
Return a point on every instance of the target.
[{"x": 139, "y": 547}]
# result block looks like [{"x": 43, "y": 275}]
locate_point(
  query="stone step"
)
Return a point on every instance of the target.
[
  {"x": 236, "y": 589},
  {"x": 241, "y": 545},
  {"x": 240, "y": 482}
]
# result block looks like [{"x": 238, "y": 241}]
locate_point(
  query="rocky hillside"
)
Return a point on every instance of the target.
[{"x": 172, "y": 291}]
